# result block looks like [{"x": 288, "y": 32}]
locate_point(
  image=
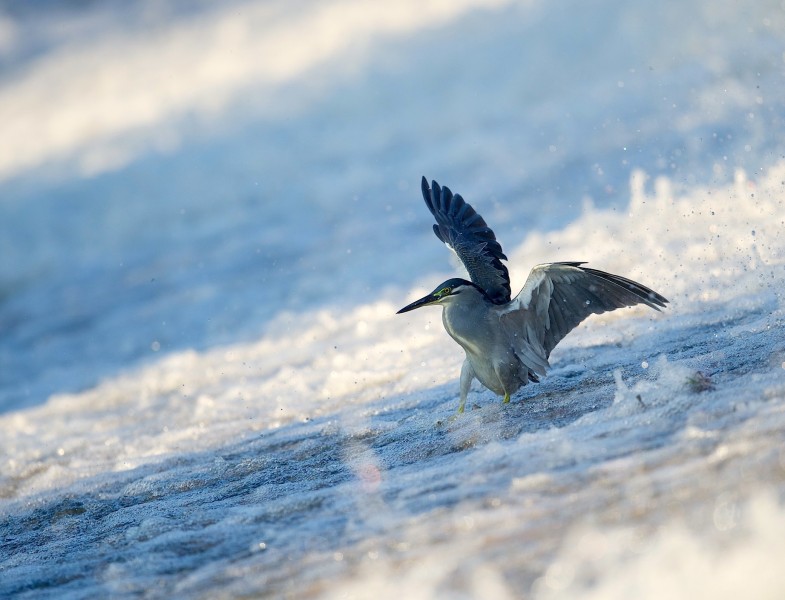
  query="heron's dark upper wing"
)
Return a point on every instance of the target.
[
  {"x": 460, "y": 227},
  {"x": 558, "y": 296}
]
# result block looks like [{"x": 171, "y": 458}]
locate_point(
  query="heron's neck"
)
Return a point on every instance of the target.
[{"x": 463, "y": 318}]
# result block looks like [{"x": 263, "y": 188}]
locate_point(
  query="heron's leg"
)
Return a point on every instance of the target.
[
  {"x": 506, "y": 398},
  {"x": 467, "y": 374}
]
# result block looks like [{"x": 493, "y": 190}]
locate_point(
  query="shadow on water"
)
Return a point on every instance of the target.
[
  {"x": 302, "y": 488},
  {"x": 173, "y": 517}
]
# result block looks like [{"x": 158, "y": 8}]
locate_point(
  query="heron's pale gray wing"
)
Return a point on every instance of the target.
[
  {"x": 460, "y": 227},
  {"x": 558, "y": 296}
]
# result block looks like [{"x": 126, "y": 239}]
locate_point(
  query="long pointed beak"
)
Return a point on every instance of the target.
[{"x": 429, "y": 299}]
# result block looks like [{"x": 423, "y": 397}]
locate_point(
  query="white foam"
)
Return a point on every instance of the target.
[{"x": 676, "y": 561}]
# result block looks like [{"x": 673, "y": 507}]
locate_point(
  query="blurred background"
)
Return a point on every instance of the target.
[{"x": 173, "y": 173}]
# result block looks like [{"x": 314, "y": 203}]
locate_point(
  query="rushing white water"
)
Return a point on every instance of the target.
[{"x": 209, "y": 215}]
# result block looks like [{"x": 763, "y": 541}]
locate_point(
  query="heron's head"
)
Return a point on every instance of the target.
[{"x": 444, "y": 293}]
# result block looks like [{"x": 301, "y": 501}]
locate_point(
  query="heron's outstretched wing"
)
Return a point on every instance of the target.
[
  {"x": 558, "y": 296},
  {"x": 460, "y": 227}
]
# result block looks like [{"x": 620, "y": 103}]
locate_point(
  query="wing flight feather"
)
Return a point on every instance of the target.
[{"x": 465, "y": 232}]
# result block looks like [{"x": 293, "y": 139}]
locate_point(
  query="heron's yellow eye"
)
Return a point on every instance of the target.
[{"x": 443, "y": 292}]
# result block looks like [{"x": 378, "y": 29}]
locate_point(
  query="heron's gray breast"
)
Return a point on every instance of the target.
[
  {"x": 493, "y": 360},
  {"x": 469, "y": 327}
]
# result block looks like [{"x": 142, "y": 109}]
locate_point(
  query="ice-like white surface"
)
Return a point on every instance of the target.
[{"x": 209, "y": 214}]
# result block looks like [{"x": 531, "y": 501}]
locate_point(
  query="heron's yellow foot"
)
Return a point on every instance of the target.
[
  {"x": 461, "y": 407},
  {"x": 506, "y": 399}
]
